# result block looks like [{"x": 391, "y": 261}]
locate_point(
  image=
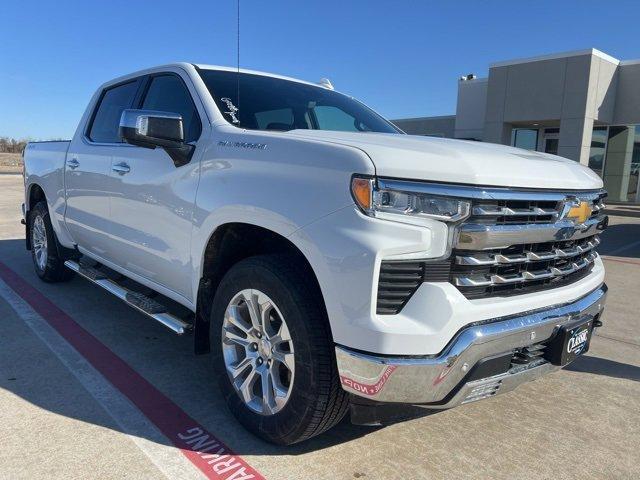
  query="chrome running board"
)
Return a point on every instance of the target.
[{"x": 138, "y": 301}]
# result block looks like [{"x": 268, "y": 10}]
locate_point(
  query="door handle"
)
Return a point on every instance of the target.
[
  {"x": 121, "y": 168},
  {"x": 73, "y": 163}
]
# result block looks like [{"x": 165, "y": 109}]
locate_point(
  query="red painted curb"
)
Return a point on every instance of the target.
[{"x": 203, "y": 449}]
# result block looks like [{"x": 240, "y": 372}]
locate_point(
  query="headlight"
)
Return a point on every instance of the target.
[{"x": 406, "y": 206}]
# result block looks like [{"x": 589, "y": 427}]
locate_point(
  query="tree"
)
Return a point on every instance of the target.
[{"x": 11, "y": 145}]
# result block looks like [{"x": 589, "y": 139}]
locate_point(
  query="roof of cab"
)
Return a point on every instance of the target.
[{"x": 188, "y": 66}]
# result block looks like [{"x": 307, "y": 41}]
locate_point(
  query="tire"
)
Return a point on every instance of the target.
[
  {"x": 48, "y": 264},
  {"x": 316, "y": 400}
]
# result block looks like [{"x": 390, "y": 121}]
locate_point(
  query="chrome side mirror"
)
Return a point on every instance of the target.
[{"x": 152, "y": 129}]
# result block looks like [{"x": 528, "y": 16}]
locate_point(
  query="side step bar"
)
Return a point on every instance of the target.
[{"x": 140, "y": 302}]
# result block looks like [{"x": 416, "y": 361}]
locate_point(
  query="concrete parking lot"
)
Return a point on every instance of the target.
[{"x": 91, "y": 389}]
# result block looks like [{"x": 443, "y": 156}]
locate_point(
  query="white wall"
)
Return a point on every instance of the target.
[{"x": 627, "y": 108}]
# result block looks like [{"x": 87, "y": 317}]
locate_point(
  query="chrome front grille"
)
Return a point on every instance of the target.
[
  {"x": 514, "y": 242},
  {"x": 535, "y": 254},
  {"x": 514, "y": 270},
  {"x": 523, "y": 276},
  {"x": 520, "y": 245},
  {"x": 523, "y": 263},
  {"x": 547, "y": 209},
  {"x": 505, "y": 211},
  {"x": 522, "y": 269}
]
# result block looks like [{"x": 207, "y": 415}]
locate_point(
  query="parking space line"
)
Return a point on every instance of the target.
[
  {"x": 135, "y": 425},
  {"x": 206, "y": 452}
]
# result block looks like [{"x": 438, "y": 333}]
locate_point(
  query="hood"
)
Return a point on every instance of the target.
[{"x": 462, "y": 161}]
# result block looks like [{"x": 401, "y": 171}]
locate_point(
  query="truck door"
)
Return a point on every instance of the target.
[
  {"x": 153, "y": 200},
  {"x": 88, "y": 170}
]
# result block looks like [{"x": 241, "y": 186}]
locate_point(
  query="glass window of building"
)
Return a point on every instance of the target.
[
  {"x": 526, "y": 138},
  {"x": 634, "y": 173},
  {"x": 551, "y": 145},
  {"x": 615, "y": 156},
  {"x": 598, "y": 149}
]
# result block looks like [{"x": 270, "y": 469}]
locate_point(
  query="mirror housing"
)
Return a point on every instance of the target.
[{"x": 152, "y": 129}]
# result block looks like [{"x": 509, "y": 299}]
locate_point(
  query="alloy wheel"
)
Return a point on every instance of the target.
[
  {"x": 258, "y": 352},
  {"x": 39, "y": 242}
]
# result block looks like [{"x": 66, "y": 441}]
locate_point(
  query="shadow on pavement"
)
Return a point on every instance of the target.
[
  {"x": 603, "y": 366},
  {"x": 620, "y": 235},
  {"x": 185, "y": 377},
  {"x": 181, "y": 375},
  {"x": 624, "y": 212}
]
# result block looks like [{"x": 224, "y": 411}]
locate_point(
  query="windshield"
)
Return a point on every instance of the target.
[{"x": 268, "y": 103}]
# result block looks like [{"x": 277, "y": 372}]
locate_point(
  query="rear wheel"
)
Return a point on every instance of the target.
[
  {"x": 273, "y": 353},
  {"x": 44, "y": 246}
]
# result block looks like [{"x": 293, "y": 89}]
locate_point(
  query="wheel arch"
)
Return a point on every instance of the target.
[
  {"x": 35, "y": 194},
  {"x": 228, "y": 244}
]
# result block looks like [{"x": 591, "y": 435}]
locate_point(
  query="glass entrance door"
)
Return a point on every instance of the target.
[{"x": 550, "y": 144}]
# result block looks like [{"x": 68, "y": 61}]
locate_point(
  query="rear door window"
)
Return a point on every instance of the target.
[{"x": 106, "y": 120}]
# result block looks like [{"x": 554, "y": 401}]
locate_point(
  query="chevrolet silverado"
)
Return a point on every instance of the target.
[{"x": 328, "y": 262}]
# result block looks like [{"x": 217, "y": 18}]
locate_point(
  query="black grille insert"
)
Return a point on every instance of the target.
[
  {"x": 528, "y": 355},
  {"x": 399, "y": 280}
]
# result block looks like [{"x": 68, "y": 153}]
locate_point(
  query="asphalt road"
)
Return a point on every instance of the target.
[{"x": 91, "y": 389}]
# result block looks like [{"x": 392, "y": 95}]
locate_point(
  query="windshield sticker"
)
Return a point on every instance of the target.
[{"x": 232, "y": 109}]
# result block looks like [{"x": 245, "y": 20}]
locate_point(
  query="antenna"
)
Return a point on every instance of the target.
[{"x": 238, "y": 62}]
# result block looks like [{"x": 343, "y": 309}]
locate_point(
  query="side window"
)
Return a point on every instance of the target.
[
  {"x": 167, "y": 93},
  {"x": 106, "y": 120}
]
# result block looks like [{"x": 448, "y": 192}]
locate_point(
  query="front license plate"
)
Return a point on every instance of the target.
[{"x": 570, "y": 341}]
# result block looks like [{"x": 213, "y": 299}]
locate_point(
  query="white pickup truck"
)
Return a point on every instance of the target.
[{"x": 325, "y": 259}]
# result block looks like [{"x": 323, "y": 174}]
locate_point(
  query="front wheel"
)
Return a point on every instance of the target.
[
  {"x": 273, "y": 353},
  {"x": 44, "y": 246}
]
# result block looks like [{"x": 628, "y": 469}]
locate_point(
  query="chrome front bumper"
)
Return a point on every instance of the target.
[{"x": 445, "y": 380}]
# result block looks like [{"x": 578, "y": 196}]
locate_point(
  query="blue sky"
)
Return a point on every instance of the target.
[{"x": 402, "y": 58}]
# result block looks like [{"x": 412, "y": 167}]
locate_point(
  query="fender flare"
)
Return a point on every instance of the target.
[{"x": 206, "y": 287}]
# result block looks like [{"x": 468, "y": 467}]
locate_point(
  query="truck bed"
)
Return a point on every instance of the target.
[
  {"x": 44, "y": 158},
  {"x": 44, "y": 166}
]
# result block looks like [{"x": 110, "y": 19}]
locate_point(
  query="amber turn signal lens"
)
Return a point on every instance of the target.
[{"x": 362, "y": 189}]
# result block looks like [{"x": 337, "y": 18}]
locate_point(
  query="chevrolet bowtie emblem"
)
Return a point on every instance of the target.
[{"x": 579, "y": 211}]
